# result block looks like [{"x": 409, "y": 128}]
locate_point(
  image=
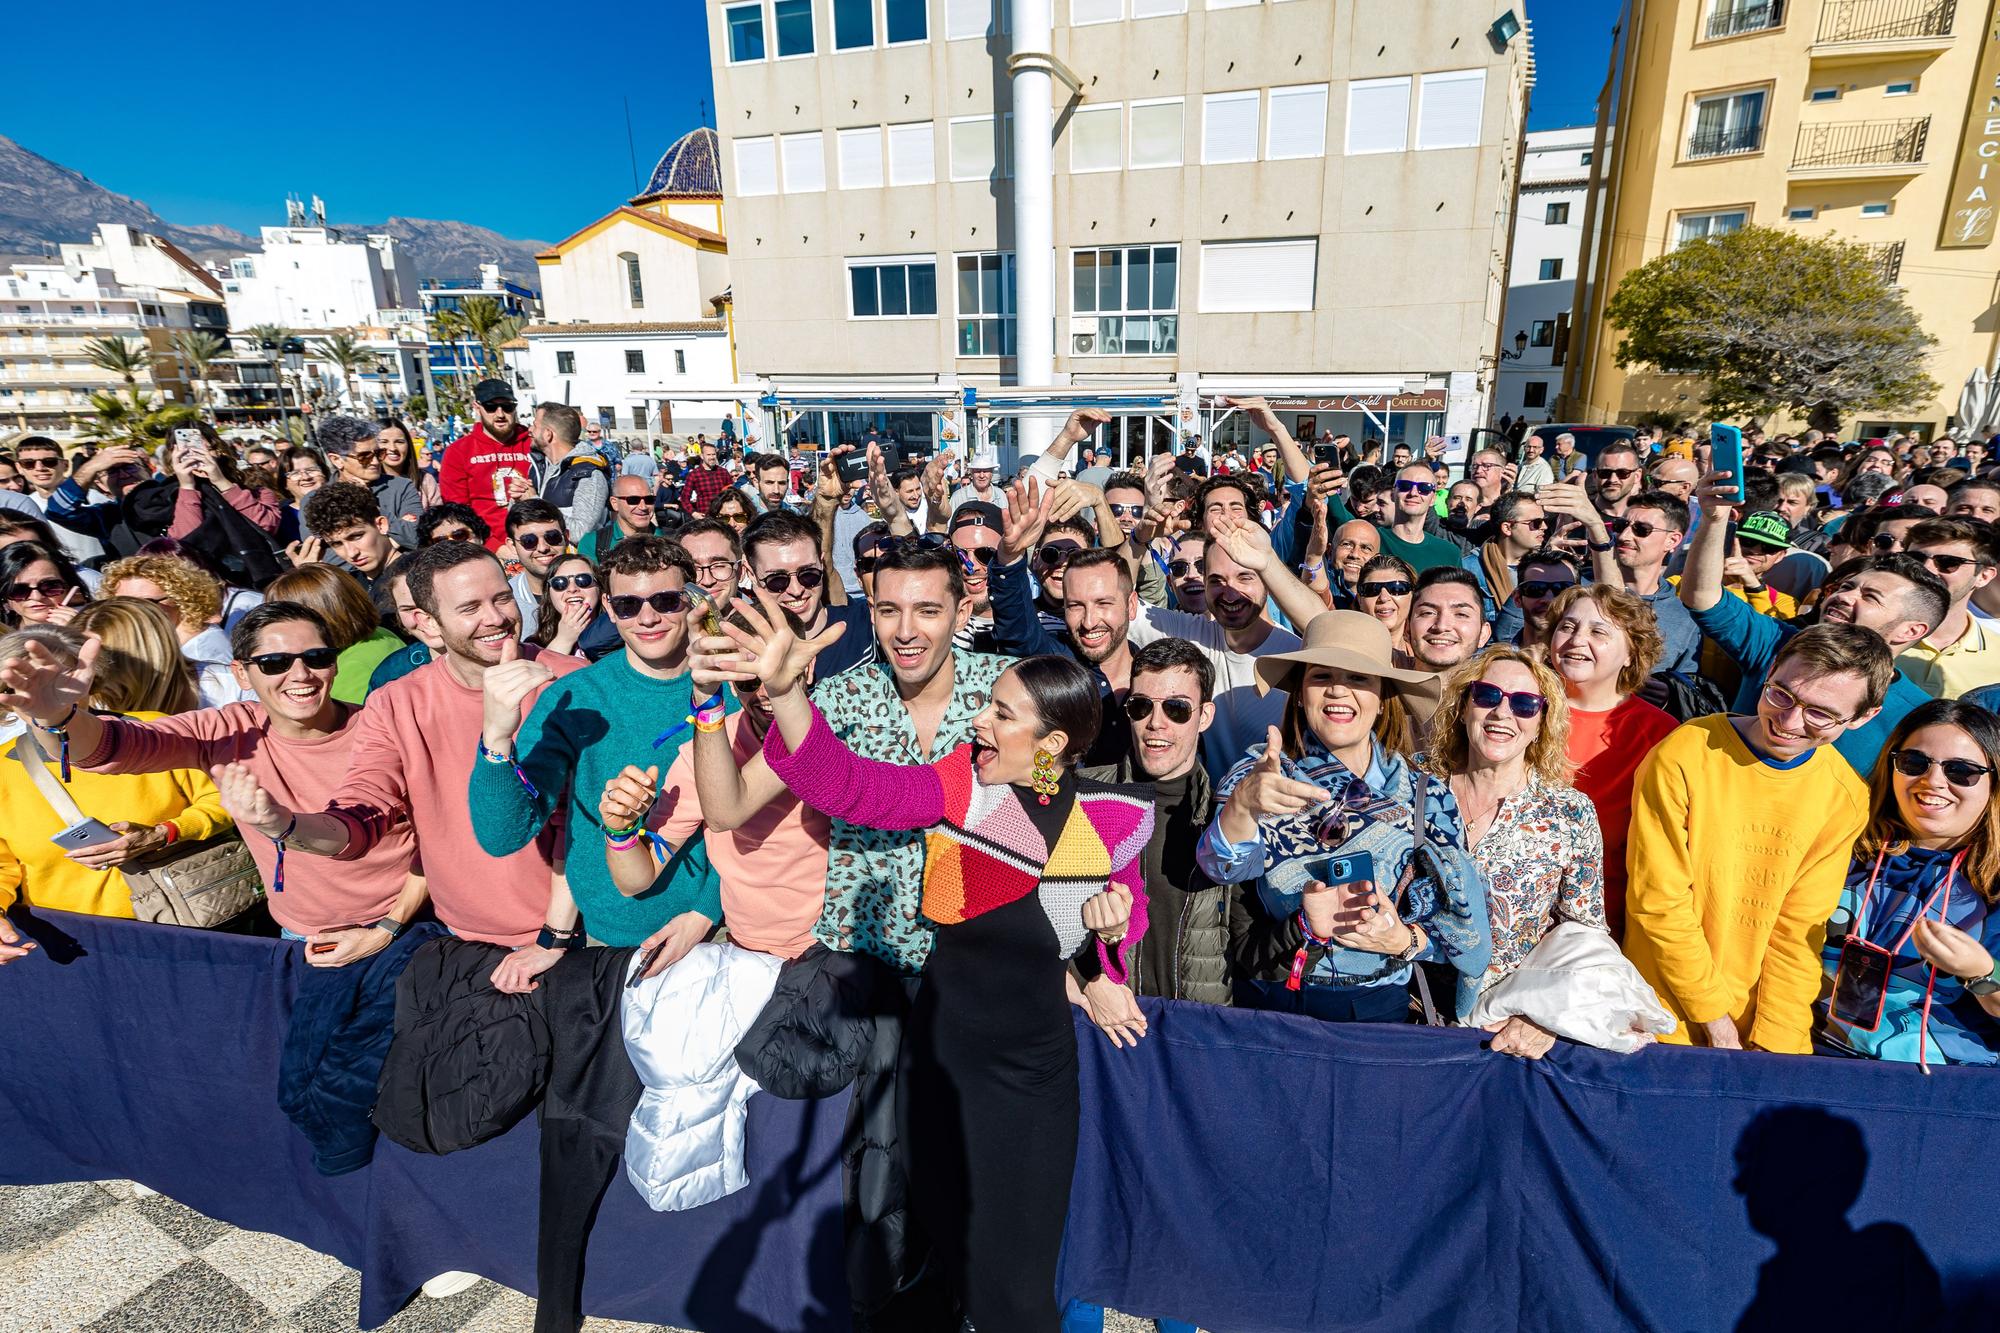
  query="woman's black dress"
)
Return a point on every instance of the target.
[{"x": 990, "y": 1105}]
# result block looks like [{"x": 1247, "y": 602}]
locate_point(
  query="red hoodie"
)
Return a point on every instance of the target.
[{"x": 475, "y": 471}]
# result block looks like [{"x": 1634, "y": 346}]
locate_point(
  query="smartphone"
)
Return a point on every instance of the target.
[
  {"x": 187, "y": 437},
  {"x": 645, "y": 961},
  {"x": 706, "y": 611},
  {"x": 852, "y": 467},
  {"x": 1327, "y": 454},
  {"x": 1725, "y": 448},
  {"x": 83, "y": 835},
  {"x": 1352, "y": 870}
]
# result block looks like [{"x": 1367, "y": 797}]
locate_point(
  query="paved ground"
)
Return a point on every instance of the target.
[{"x": 98, "y": 1258}]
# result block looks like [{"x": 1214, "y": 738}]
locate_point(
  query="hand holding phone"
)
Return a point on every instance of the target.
[
  {"x": 1726, "y": 455},
  {"x": 83, "y": 835}
]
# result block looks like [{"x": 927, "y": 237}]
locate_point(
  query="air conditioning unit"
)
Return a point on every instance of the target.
[{"x": 1083, "y": 337}]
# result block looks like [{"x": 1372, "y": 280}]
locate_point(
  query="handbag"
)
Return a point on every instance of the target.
[
  {"x": 201, "y": 884},
  {"x": 1431, "y": 1017}
]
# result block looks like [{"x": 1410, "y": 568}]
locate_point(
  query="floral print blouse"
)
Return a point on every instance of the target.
[{"x": 1544, "y": 862}]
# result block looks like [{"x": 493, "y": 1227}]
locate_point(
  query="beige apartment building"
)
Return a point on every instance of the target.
[
  {"x": 1300, "y": 198},
  {"x": 1873, "y": 120}
]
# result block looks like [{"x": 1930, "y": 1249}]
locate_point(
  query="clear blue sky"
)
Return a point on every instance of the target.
[{"x": 504, "y": 114}]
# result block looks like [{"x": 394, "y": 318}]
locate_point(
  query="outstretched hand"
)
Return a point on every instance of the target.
[
  {"x": 771, "y": 649},
  {"x": 244, "y": 797},
  {"x": 1027, "y": 516},
  {"x": 34, "y": 682},
  {"x": 506, "y": 686},
  {"x": 1244, "y": 540},
  {"x": 1265, "y": 790}
]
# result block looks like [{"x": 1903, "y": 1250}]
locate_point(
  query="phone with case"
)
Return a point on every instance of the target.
[{"x": 83, "y": 835}]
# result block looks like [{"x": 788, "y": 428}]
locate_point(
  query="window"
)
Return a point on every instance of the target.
[
  {"x": 1805, "y": 214},
  {"x": 853, "y": 24},
  {"x": 1535, "y": 393},
  {"x": 1094, "y": 134},
  {"x": 1731, "y": 123},
  {"x": 1551, "y": 271},
  {"x": 971, "y": 18},
  {"x": 746, "y": 32},
  {"x": 635, "y": 361},
  {"x": 1094, "y": 11},
  {"x": 1258, "y": 275},
  {"x": 986, "y": 305},
  {"x": 1901, "y": 89},
  {"x": 1696, "y": 226},
  {"x": 1149, "y": 9},
  {"x": 1878, "y": 210},
  {"x": 1298, "y": 122},
  {"x": 1452, "y": 105},
  {"x": 1135, "y": 293},
  {"x": 906, "y": 20},
  {"x": 639, "y": 417},
  {"x": 1378, "y": 115},
  {"x": 634, "y": 288},
  {"x": 1542, "y": 333},
  {"x": 1229, "y": 127},
  {"x": 1585, "y": 160},
  {"x": 974, "y": 152},
  {"x": 805, "y": 162},
  {"x": 680, "y": 361},
  {"x": 565, "y": 363},
  {"x": 891, "y": 288},
  {"x": 1232, "y": 4},
  {"x": 1823, "y": 95},
  {"x": 1156, "y": 133},
  {"x": 912, "y": 156},
  {"x": 1555, "y": 215},
  {"x": 793, "y": 20},
  {"x": 860, "y": 153},
  {"x": 757, "y": 166}
]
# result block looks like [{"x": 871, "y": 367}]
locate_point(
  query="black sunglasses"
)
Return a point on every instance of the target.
[
  {"x": 1958, "y": 772},
  {"x": 1057, "y": 554},
  {"x": 277, "y": 664},
  {"x": 451, "y": 535},
  {"x": 636, "y": 501},
  {"x": 501, "y": 405},
  {"x": 1521, "y": 703},
  {"x": 1394, "y": 587},
  {"x": 1416, "y": 487},
  {"x": 564, "y": 582},
  {"x": 1640, "y": 528},
  {"x": 40, "y": 461},
  {"x": 1128, "y": 511},
  {"x": 1617, "y": 473},
  {"x": 780, "y": 580},
  {"x": 1544, "y": 588},
  {"x": 1138, "y": 707},
  {"x": 1180, "y": 569},
  {"x": 1945, "y": 564},
  {"x": 984, "y": 555},
  {"x": 1886, "y": 541},
  {"x": 1538, "y": 524},
  {"x": 528, "y": 541},
  {"x": 671, "y": 602},
  {"x": 21, "y": 592}
]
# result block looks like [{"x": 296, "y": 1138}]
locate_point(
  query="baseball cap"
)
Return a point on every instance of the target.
[
  {"x": 976, "y": 514},
  {"x": 488, "y": 392},
  {"x": 1766, "y": 529}
]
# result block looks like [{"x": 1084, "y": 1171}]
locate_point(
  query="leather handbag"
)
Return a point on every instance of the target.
[{"x": 197, "y": 884}]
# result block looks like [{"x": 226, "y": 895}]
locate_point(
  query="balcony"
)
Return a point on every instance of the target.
[
  {"x": 1725, "y": 21},
  {"x": 1888, "y": 257},
  {"x": 1864, "y": 150},
  {"x": 1704, "y": 144},
  {"x": 1860, "y": 30}
]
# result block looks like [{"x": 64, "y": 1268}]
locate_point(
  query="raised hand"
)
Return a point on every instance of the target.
[
  {"x": 505, "y": 687},
  {"x": 935, "y": 474},
  {"x": 1259, "y": 411},
  {"x": 714, "y": 660},
  {"x": 1022, "y": 525},
  {"x": 34, "y": 681},
  {"x": 628, "y": 796},
  {"x": 1108, "y": 915},
  {"x": 244, "y": 797},
  {"x": 65, "y": 611},
  {"x": 1081, "y": 423},
  {"x": 1716, "y": 491},
  {"x": 771, "y": 649},
  {"x": 1069, "y": 497},
  {"x": 1265, "y": 790},
  {"x": 1245, "y": 541},
  {"x": 829, "y": 486},
  {"x": 306, "y": 551}
]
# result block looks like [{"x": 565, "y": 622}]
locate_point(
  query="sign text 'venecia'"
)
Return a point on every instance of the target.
[{"x": 1975, "y": 184}]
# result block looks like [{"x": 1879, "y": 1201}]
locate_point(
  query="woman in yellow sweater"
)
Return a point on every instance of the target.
[{"x": 140, "y": 673}]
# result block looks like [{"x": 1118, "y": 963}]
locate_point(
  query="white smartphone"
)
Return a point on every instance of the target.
[
  {"x": 83, "y": 835},
  {"x": 187, "y": 437}
]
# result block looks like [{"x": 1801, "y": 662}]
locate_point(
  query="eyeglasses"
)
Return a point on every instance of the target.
[
  {"x": 1415, "y": 487},
  {"x": 1886, "y": 541},
  {"x": 780, "y": 580},
  {"x": 41, "y": 462},
  {"x": 1945, "y": 564},
  {"x": 1181, "y": 569},
  {"x": 716, "y": 570},
  {"x": 1616, "y": 473},
  {"x": 1057, "y": 554},
  {"x": 277, "y": 664},
  {"x": 21, "y": 592},
  {"x": 1394, "y": 587},
  {"x": 1138, "y": 707},
  {"x": 1128, "y": 511},
  {"x": 451, "y": 535},
  {"x": 1485, "y": 465},
  {"x": 1817, "y": 719},
  {"x": 554, "y": 539},
  {"x": 1539, "y": 588},
  {"x": 1640, "y": 528},
  {"x": 671, "y": 602},
  {"x": 564, "y": 582},
  {"x": 1521, "y": 703},
  {"x": 1958, "y": 772}
]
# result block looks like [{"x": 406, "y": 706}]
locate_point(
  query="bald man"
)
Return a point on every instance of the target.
[{"x": 1354, "y": 544}]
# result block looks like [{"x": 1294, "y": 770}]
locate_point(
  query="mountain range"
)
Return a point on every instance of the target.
[{"x": 43, "y": 204}]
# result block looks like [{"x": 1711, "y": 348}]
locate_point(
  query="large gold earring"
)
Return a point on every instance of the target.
[{"x": 1044, "y": 779}]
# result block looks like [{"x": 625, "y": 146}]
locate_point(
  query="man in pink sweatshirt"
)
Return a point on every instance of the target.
[{"x": 417, "y": 741}]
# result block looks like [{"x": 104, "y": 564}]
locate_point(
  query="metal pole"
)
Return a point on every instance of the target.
[{"x": 1034, "y": 208}]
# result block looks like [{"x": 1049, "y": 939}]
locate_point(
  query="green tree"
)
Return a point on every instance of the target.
[
  {"x": 198, "y": 350},
  {"x": 120, "y": 418},
  {"x": 1776, "y": 322},
  {"x": 122, "y": 357},
  {"x": 346, "y": 352}
]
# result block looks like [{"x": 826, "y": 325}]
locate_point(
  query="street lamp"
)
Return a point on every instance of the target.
[{"x": 1520, "y": 348}]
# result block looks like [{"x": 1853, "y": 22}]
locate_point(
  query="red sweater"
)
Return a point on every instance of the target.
[{"x": 475, "y": 471}]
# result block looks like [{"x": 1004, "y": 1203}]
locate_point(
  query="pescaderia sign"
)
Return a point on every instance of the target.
[
  {"x": 1970, "y": 215},
  {"x": 1366, "y": 402}
]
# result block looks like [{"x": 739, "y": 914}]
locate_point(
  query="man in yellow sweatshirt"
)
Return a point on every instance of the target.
[{"x": 1742, "y": 828}]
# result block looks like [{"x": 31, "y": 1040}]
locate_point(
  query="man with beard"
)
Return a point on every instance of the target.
[
  {"x": 1542, "y": 576},
  {"x": 1355, "y": 543},
  {"x": 535, "y": 528},
  {"x": 1447, "y": 621},
  {"x": 490, "y": 466},
  {"x": 1518, "y": 526},
  {"x": 782, "y": 550},
  {"x": 975, "y": 535},
  {"x": 1616, "y": 479},
  {"x": 1190, "y": 584},
  {"x": 1099, "y": 605}
]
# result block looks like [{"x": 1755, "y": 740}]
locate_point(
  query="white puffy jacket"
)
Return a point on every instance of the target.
[
  {"x": 1578, "y": 985},
  {"x": 685, "y": 1145}
]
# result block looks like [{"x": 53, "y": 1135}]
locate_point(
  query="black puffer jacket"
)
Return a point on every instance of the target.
[{"x": 814, "y": 1033}]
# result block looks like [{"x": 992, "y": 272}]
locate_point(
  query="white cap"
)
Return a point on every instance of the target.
[{"x": 987, "y": 457}]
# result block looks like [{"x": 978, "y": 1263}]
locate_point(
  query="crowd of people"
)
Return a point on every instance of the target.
[{"x": 1308, "y": 729}]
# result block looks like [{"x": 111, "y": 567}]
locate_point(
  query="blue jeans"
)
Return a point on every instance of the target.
[{"x": 1083, "y": 1317}]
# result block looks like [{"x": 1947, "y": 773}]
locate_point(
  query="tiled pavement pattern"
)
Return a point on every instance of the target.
[{"x": 96, "y": 1257}]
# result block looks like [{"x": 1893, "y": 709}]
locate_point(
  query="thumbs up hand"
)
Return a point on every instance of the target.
[{"x": 506, "y": 686}]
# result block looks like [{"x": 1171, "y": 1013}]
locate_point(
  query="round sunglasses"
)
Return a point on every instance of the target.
[
  {"x": 1958, "y": 772},
  {"x": 564, "y": 582},
  {"x": 809, "y": 577}
]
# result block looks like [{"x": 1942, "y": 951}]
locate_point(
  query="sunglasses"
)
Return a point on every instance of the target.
[
  {"x": 37, "y": 462},
  {"x": 1886, "y": 541},
  {"x": 1394, "y": 587},
  {"x": 500, "y": 405},
  {"x": 1521, "y": 703},
  {"x": 564, "y": 582},
  {"x": 671, "y": 602},
  {"x": 1415, "y": 487},
  {"x": 21, "y": 592},
  {"x": 365, "y": 455},
  {"x": 1538, "y": 524},
  {"x": 1617, "y": 473},
  {"x": 780, "y": 580},
  {"x": 1945, "y": 564},
  {"x": 636, "y": 501},
  {"x": 1539, "y": 588},
  {"x": 984, "y": 555},
  {"x": 1181, "y": 569},
  {"x": 1138, "y": 707},
  {"x": 528, "y": 541},
  {"x": 1129, "y": 511},
  {"x": 1640, "y": 528},
  {"x": 1057, "y": 554},
  {"x": 277, "y": 664},
  {"x": 451, "y": 535},
  {"x": 1958, "y": 772}
]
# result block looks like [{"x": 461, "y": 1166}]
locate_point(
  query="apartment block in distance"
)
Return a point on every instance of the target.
[
  {"x": 1548, "y": 238},
  {"x": 1871, "y": 120},
  {"x": 1300, "y": 198}
]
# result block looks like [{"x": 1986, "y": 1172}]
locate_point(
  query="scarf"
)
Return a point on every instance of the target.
[{"x": 1499, "y": 574}]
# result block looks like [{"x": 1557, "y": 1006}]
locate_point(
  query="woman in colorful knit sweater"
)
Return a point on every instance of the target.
[{"x": 1025, "y": 863}]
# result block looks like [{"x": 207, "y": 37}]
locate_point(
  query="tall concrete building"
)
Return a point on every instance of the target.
[
  {"x": 1303, "y": 199},
  {"x": 1871, "y": 120},
  {"x": 312, "y": 276},
  {"x": 1541, "y": 280}
]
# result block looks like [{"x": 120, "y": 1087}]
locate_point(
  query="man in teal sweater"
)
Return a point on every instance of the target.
[{"x": 629, "y": 708}]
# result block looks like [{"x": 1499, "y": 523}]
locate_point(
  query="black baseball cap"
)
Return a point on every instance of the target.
[
  {"x": 488, "y": 392},
  {"x": 976, "y": 514}
]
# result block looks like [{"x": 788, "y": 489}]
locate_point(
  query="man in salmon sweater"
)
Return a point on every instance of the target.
[
  {"x": 493, "y": 464},
  {"x": 1742, "y": 828}
]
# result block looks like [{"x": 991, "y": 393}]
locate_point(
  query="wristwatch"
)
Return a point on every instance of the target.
[
  {"x": 1416, "y": 946},
  {"x": 392, "y": 925},
  {"x": 1985, "y": 985}
]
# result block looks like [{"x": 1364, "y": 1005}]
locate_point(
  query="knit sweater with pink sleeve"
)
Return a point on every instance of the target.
[{"x": 982, "y": 851}]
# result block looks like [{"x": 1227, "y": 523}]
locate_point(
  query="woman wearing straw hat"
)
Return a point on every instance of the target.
[{"x": 1334, "y": 781}]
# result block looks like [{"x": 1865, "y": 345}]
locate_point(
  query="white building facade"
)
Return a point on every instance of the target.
[
  {"x": 318, "y": 277},
  {"x": 1541, "y": 282}
]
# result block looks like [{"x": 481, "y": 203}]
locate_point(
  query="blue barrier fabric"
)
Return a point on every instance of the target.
[{"x": 151, "y": 1053}]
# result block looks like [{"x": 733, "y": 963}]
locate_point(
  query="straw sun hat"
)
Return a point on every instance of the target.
[{"x": 1353, "y": 641}]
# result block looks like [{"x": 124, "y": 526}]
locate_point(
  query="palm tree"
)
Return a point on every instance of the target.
[
  {"x": 198, "y": 350},
  {"x": 127, "y": 360},
  {"x": 272, "y": 339},
  {"x": 481, "y": 319},
  {"x": 120, "y": 418},
  {"x": 349, "y": 355}
]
